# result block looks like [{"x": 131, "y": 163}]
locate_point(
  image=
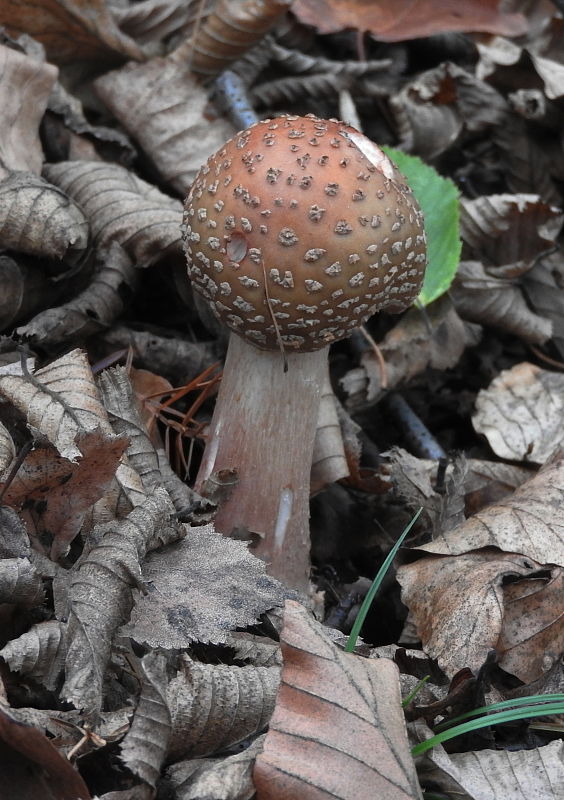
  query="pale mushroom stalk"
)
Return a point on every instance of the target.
[
  {"x": 297, "y": 231},
  {"x": 264, "y": 426}
]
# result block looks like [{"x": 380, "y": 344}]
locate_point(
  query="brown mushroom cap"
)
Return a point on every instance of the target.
[{"x": 307, "y": 222}]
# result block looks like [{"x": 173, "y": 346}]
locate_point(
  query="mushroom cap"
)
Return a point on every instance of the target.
[{"x": 299, "y": 229}]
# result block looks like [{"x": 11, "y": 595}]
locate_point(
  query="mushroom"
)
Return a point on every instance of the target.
[{"x": 296, "y": 232}]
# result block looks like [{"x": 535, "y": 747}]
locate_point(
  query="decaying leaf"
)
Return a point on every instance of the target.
[
  {"x": 25, "y": 84},
  {"x": 499, "y": 774},
  {"x": 199, "y": 589},
  {"x": 528, "y": 521},
  {"x": 228, "y": 778},
  {"x": 36, "y": 652},
  {"x": 337, "y": 730},
  {"x": 458, "y": 605},
  {"x": 215, "y": 706},
  {"x": 20, "y": 584},
  {"x": 161, "y": 104},
  {"x": 100, "y": 595},
  {"x": 329, "y": 463},
  {"x": 121, "y": 207},
  {"x": 92, "y": 310},
  {"x": 7, "y": 449},
  {"x": 70, "y": 29},
  {"x": 521, "y": 413},
  {"x": 145, "y": 746}
]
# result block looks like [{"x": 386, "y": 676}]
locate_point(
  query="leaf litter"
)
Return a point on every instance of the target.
[{"x": 144, "y": 654}]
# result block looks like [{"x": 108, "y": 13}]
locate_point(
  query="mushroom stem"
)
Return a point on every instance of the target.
[{"x": 264, "y": 427}]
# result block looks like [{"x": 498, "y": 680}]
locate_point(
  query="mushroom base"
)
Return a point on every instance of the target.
[{"x": 264, "y": 427}]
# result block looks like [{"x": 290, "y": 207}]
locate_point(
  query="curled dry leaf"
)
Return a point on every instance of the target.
[
  {"x": 457, "y": 603},
  {"x": 228, "y": 778},
  {"x": 162, "y": 105},
  {"x": 38, "y": 219},
  {"x": 199, "y": 589},
  {"x": 328, "y": 463},
  {"x": 31, "y": 766},
  {"x": 151, "y": 22},
  {"x": 36, "y": 653},
  {"x": 122, "y": 208},
  {"x": 435, "y": 337},
  {"x": 509, "y": 229},
  {"x": 25, "y": 85},
  {"x": 20, "y": 584},
  {"x": 337, "y": 730},
  {"x": 542, "y": 286},
  {"x": 499, "y": 774},
  {"x": 529, "y": 521},
  {"x": 100, "y": 596},
  {"x": 215, "y": 706},
  {"x": 489, "y": 300},
  {"x": 145, "y": 746},
  {"x": 7, "y": 449},
  {"x": 521, "y": 413},
  {"x": 432, "y": 111},
  {"x": 70, "y": 30},
  {"x": 394, "y": 21},
  {"x": 91, "y": 311}
]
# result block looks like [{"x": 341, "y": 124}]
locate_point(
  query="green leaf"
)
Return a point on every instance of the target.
[{"x": 438, "y": 198}]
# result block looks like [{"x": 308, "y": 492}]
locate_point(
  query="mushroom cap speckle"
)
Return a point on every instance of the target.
[{"x": 299, "y": 229}]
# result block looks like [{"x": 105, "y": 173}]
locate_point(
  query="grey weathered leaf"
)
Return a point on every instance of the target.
[
  {"x": 521, "y": 413},
  {"x": 145, "y": 745},
  {"x": 122, "y": 208},
  {"x": 100, "y": 596},
  {"x": 93, "y": 310},
  {"x": 215, "y": 706},
  {"x": 39, "y": 219},
  {"x": 163, "y": 106},
  {"x": 36, "y": 652},
  {"x": 199, "y": 589},
  {"x": 228, "y": 778},
  {"x": 20, "y": 584}
]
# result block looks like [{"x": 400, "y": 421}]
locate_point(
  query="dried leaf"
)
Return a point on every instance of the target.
[
  {"x": 457, "y": 604},
  {"x": 489, "y": 300},
  {"x": 501, "y": 774},
  {"x": 100, "y": 597},
  {"x": 36, "y": 653},
  {"x": 227, "y": 778},
  {"x": 199, "y": 589},
  {"x": 39, "y": 219},
  {"x": 409, "y": 19},
  {"x": 521, "y": 413},
  {"x": 532, "y": 638},
  {"x": 31, "y": 766},
  {"x": 542, "y": 286},
  {"x": 148, "y": 223},
  {"x": 215, "y": 706},
  {"x": 60, "y": 401},
  {"x": 70, "y": 29},
  {"x": 145, "y": 746},
  {"x": 25, "y": 85},
  {"x": 7, "y": 450},
  {"x": 91, "y": 311},
  {"x": 528, "y": 521},
  {"x": 163, "y": 106},
  {"x": 19, "y": 582},
  {"x": 338, "y": 729},
  {"x": 329, "y": 463}
]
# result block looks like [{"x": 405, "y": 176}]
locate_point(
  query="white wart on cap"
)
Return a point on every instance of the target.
[{"x": 307, "y": 221}]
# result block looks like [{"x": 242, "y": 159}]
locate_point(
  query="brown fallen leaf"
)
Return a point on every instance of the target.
[
  {"x": 70, "y": 29},
  {"x": 337, "y": 730},
  {"x": 458, "y": 605},
  {"x": 529, "y": 521},
  {"x": 397, "y": 20},
  {"x": 521, "y": 413}
]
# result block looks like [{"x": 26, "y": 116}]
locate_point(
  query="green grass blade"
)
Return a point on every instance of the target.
[
  {"x": 376, "y": 583},
  {"x": 415, "y": 691},
  {"x": 485, "y": 722},
  {"x": 517, "y": 702}
]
